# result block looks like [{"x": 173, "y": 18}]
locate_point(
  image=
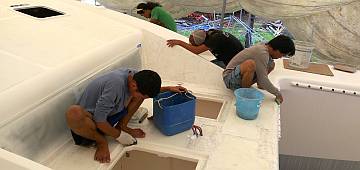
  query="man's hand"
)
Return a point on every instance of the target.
[
  {"x": 177, "y": 89},
  {"x": 279, "y": 99},
  {"x": 137, "y": 133},
  {"x": 173, "y": 42}
]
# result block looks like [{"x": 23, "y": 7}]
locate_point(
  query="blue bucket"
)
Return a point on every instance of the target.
[
  {"x": 248, "y": 101},
  {"x": 174, "y": 112}
]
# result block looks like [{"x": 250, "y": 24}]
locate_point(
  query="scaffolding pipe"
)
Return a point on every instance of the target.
[
  {"x": 222, "y": 15},
  {"x": 249, "y": 40}
]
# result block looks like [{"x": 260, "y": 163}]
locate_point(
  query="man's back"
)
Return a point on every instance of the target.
[
  {"x": 258, "y": 53},
  {"x": 106, "y": 94},
  {"x": 223, "y": 45},
  {"x": 164, "y": 17}
]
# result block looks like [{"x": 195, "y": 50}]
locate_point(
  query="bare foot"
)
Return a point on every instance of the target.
[{"x": 102, "y": 153}]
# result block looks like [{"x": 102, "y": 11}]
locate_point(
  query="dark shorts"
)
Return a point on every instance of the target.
[
  {"x": 219, "y": 63},
  {"x": 113, "y": 119}
]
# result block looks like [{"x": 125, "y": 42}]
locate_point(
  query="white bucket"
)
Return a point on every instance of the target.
[{"x": 302, "y": 56}]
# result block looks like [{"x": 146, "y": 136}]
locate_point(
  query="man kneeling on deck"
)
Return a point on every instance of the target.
[
  {"x": 253, "y": 65},
  {"x": 223, "y": 45},
  {"x": 111, "y": 100}
]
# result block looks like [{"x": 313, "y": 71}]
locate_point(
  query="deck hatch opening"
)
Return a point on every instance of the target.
[
  {"x": 39, "y": 11},
  {"x": 208, "y": 108},
  {"x": 136, "y": 159}
]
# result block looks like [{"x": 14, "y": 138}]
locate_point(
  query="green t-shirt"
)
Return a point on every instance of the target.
[{"x": 164, "y": 17}]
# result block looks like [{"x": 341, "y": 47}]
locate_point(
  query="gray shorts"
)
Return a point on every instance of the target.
[{"x": 233, "y": 79}]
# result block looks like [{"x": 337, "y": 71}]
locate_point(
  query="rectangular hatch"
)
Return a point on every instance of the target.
[
  {"x": 139, "y": 160},
  {"x": 208, "y": 108},
  {"x": 39, "y": 11}
]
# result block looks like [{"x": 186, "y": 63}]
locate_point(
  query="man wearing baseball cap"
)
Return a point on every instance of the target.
[{"x": 222, "y": 45}]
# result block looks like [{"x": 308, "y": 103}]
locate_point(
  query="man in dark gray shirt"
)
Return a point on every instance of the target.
[
  {"x": 223, "y": 45},
  {"x": 251, "y": 65},
  {"x": 108, "y": 103}
]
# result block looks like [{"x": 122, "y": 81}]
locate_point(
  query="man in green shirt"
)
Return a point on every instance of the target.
[{"x": 157, "y": 15}]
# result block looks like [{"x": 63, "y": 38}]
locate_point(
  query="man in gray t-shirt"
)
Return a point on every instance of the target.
[
  {"x": 108, "y": 103},
  {"x": 253, "y": 64}
]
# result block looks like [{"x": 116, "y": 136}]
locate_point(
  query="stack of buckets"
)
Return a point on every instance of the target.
[
  {"x": 302, "y": 56},
  {"x": 248, "y": 101}
]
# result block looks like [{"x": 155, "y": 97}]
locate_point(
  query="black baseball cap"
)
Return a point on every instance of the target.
[{"x": 141, "y": 7}]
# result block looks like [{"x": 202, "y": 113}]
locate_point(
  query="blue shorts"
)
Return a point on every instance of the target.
[
  {"x": 233, "y": 79},
  {"x": 113, "y": 119}
]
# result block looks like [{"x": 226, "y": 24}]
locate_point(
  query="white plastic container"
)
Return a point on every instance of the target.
[{"x": 302, "y": 56}]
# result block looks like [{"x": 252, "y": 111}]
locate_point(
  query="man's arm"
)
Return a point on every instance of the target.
[
  {"x": 177, "y": 89},
  {"x": 263, "y": 80},
  {"x": 106, "y": 128},
  {"x": 104, "y": 106},
  {"x": 194, "y": 49},
  {"x": 271, "y": 66},
  {"x": 157, "y": 22},
  {"x": 131, "y": 109}
]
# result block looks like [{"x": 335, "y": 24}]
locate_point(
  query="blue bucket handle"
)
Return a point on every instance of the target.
[
  {"x": 165, "y": 98},
  {"x": 258, "y": 105}
]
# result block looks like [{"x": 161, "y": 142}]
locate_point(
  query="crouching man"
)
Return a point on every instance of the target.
[
  {"x": 253, "y": 64},
  {"x": 106, "y": 106}
]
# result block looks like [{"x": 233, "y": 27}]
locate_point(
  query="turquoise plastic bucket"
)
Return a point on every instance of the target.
[{"x": 248, "y": 101}]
